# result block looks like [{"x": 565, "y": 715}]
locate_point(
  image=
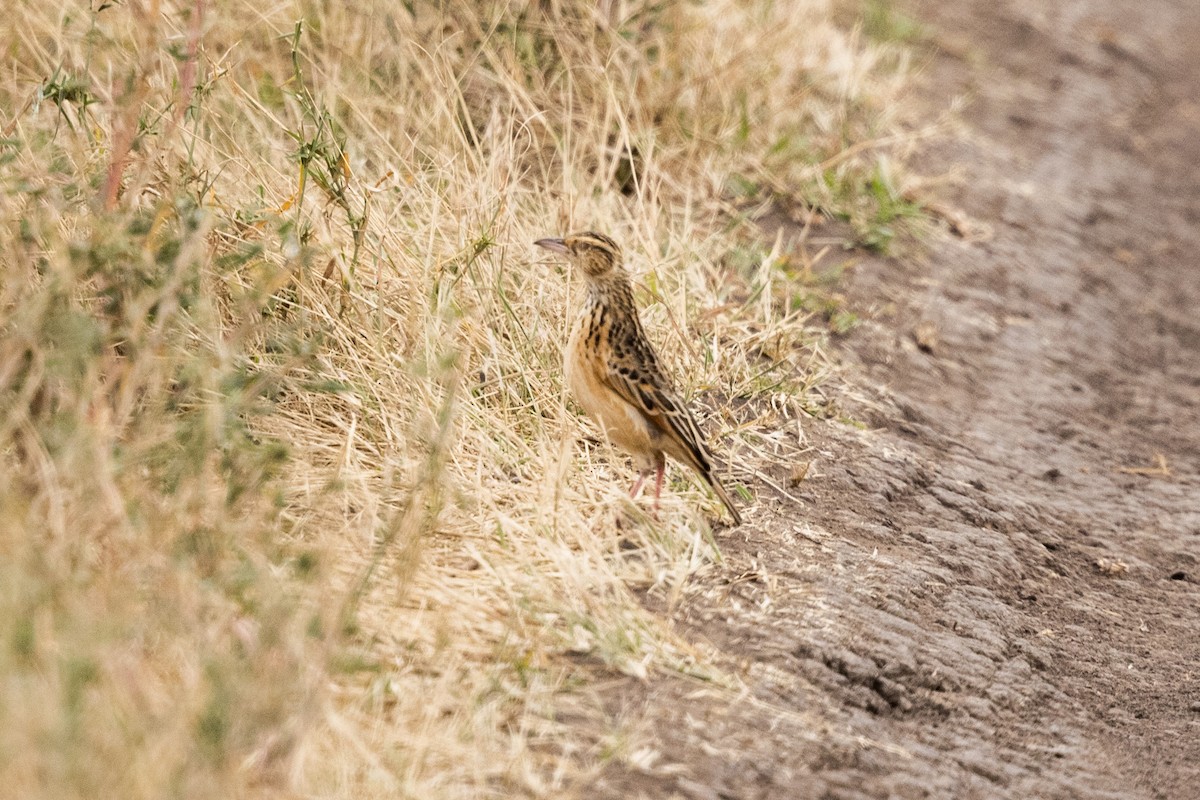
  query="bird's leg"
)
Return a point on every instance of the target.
[
  {"x": 660, "y": 465},
  {"x": 638, "y": 483}
]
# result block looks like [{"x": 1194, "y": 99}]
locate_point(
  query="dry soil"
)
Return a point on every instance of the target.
[{"x": 995, "y": 591}]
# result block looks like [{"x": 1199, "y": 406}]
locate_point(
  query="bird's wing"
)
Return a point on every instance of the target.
[
  {"x": 639, "y": 381},
  {"x": 642, "y": 384}
]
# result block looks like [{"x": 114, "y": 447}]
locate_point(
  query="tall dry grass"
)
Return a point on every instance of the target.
[{"x": 291, "y": 498}]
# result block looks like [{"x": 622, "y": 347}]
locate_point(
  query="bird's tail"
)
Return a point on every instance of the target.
[{"x": 712, "y": 481}]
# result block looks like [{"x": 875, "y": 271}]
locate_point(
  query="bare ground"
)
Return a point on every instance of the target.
[{"x": 994, "y": 592}]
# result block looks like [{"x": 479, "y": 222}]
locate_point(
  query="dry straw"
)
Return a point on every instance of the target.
[{"x": 292, "y": 500}]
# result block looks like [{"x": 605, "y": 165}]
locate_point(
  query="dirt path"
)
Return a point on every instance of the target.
[{"x": 996, "y": 594}]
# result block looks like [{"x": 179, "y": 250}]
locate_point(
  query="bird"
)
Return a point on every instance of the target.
[{"x": 614, "y": 373}]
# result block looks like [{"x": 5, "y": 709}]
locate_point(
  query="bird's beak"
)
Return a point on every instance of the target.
[{"x": 554, "y": 245}]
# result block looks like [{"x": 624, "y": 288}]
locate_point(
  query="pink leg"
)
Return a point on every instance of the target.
[
  {"x": 658, "y": 484},
  {"x": 638, "y": 484}
]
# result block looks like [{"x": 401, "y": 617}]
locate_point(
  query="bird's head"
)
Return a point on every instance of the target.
[{"x": 594, "y": 254}]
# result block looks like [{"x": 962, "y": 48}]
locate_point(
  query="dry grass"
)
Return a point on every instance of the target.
[{"x": 291, "y": 498}]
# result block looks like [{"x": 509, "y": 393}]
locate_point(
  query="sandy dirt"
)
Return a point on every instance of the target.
[{"x": 995, "y": 591}]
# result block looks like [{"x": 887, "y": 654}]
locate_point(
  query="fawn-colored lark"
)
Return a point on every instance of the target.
[{"x": 614, "y": 373}]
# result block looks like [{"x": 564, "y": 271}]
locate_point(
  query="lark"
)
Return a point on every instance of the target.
[{"x": 614, "y": 373}]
